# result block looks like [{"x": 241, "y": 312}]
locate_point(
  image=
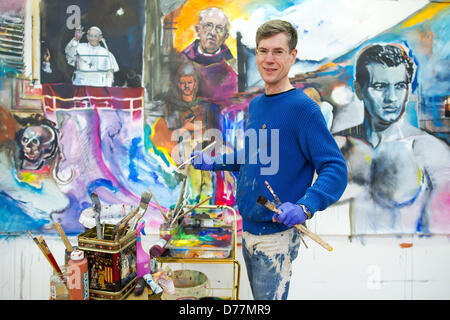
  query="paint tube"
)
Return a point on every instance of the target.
[
  {"x": 158, "y": 249},
  {"x": 156, "y": 288}
]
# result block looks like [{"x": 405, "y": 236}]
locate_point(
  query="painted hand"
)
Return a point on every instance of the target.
[
  {"x": 291, "y": 215},
  {"x": 202, "y": 161}
]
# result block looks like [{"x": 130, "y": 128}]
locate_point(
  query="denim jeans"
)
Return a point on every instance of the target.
[{"x": 268, "y": 259}]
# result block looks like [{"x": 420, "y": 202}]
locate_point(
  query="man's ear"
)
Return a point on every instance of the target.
[
  {"x": 294, "y": 55},
  {"x": 197, "y": 29},
  {"x": 357, "y": 88}
]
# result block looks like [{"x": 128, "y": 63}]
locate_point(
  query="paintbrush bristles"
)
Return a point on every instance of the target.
[{"x": 268, "y": 204}]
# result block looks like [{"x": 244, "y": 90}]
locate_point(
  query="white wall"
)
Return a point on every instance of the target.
[{"x": 373, "y": 267}]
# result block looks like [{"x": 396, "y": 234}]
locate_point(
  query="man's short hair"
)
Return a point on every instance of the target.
[
  {"x": 213, "y": 10},
  {"x": 389, "y": 55},
  {"x": 273, "y": 27}
]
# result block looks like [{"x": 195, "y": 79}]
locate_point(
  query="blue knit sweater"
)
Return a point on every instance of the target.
[{"x": 304, "y": 144}]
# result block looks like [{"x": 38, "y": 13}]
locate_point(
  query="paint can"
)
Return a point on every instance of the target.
[{"x": 189, "y": 285}]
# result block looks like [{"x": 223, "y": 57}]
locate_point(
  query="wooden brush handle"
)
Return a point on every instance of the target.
[
  {"x": 64, "y": 238},
  {"x": 271, "y": 206},
  {"x": 118, "y": 228},
  {"x": 313, "y": 236}
]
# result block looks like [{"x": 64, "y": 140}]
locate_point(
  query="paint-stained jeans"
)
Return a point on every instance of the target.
[{"x": 268, "y": 259}]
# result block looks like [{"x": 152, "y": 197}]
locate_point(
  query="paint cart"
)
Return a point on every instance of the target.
[{"x": 207, "y": 254}]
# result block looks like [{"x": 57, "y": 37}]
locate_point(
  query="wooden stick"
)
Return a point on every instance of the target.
[
  {"x": 207, "y": 147},
  {"x": 159, "y": 207},
  {"x": 191, "y": 209},
  {"x": 271, "y": 206},
  {"x": 279, "y": 203},
  {"x": 64, "y": 238},
  {"x": 47, "y": 251},
  {"x": 273, "y": 193},
  {"x": 42, "y": 250}
]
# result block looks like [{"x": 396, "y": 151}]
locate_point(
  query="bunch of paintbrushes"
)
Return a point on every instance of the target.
[
  {"x": 299, "y": 227},
  {"x": 177, "y": 213},
  {"x": 42, "y": 245},
  {"x": 136, "y": 214}
]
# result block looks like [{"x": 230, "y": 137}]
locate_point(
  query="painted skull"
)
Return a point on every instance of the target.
[{"x": 38, "y": 143}]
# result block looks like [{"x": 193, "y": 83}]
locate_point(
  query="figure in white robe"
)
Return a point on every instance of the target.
[{"x": 94, "y": 64}]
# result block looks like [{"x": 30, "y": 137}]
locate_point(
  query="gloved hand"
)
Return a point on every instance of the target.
[
  {"x": 202, "y": 162},
  {"x": 291, "y": 215}
]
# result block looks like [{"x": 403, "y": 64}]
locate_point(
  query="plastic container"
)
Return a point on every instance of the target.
[
  {"x": 142, "y": 257},
  {"x": 189, "y": 285},
  {"x": 58, "y": 286},
  {"x": 78, "y": 283},
  {"x": 199, "y": 242}
]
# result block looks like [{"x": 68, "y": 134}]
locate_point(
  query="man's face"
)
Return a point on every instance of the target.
[
  {"x": 212, "y": 32},
  {"x": 274, "y": 59},
  {"x": 186, "y": 85},
  {"x": 93, "y": 37},
  {"x": 386, "y": 92}
]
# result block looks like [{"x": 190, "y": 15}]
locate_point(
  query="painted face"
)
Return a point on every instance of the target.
[
  {"x": 386, "y": 92},
  {"x": 37, "y": 142},
  {"x": 94, "y": 37},
  {"x": 186, "y": 85},
  {"x": 274, "y": 60},
  {"x": 212, "y": 32}
]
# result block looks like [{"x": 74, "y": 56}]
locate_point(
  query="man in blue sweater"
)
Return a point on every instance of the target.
[{"x": 292, "y": 127}]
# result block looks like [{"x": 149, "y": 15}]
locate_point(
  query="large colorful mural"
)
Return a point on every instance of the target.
[{"x": 127, "y": 89}]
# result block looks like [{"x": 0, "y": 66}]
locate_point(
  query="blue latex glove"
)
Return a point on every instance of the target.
[
  {"x": 291, "y": 215},
  {"x": 202, "y": 162}
]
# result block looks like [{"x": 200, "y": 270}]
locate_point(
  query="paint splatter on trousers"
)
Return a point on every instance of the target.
[{"x": 268, "y": 259}]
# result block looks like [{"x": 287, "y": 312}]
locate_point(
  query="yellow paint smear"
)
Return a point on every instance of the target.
[{"x": 426, "y": 14}]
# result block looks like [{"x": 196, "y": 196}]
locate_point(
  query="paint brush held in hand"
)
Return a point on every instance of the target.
[
  {"x": 204, "y": 149},
  {"x": 272, "y": 207},
  {"x": 280, "y": 203}
]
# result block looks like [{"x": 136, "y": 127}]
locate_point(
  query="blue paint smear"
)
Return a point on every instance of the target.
[
  {"x": 14, "y": 219},
  {"x": 134, "y": 153},
  {"x": 100, "y": 183}
]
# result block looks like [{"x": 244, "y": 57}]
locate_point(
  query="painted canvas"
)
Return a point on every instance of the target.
[{"x": 130, "y": 88}]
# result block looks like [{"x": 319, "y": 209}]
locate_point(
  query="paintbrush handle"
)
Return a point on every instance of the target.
[
  {"x": 313, "y": 236},
  {"x": 157, "y": 204},
  {"x": 207, "y": 147},
  {"x": 64, "y": 238},
  {"x": 49, "y": 254},
  {"x": 194, "y": 207},
  {"x": 42, "y": 249},
  {"x": 271, "y": 206},
  {"x": 118, "y": 227}
]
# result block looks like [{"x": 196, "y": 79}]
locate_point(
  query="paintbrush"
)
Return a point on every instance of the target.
[
  {"x": 273, "y": 193},
  {"x": 191, "y": 209},
  {"x": 157, "y": 203},
  {"x": 51, "y": 260},
  {"x": 204, "y": 149},
  {"x": 97, "y": 206},
  {"x": 64, "y": 238},
  {"x": 271, "y": 206},
  {"x": 145, "y": 199},
  {"x": 280, "y": 203},
  {"x": 47, "y": 251},
  {"x": 44, "y": 252},
  {"x": 142, "y": 209},
  {"x": 180, "y": 197}
]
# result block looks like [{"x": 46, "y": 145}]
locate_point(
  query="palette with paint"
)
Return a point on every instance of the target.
[{"x": 194, "y": 241}]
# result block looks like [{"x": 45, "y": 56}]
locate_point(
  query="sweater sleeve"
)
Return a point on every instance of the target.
[{"x": 320, "y": 148}]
